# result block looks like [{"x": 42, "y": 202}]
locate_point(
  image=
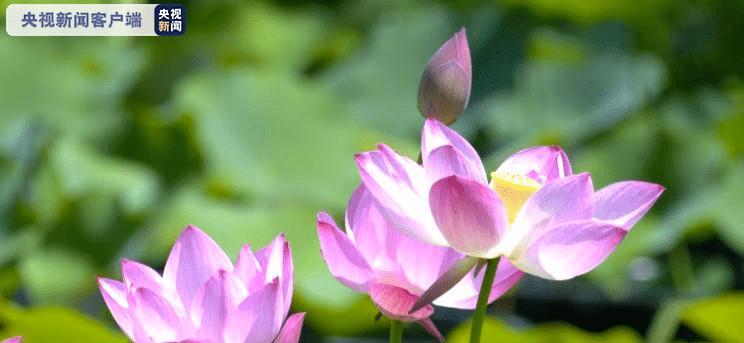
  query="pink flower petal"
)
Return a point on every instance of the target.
[
  {"x": 464, "y": 295},
  {"x": 276, "y": 262},
  {"x": 372, "y": 235},
  {"x": 421, "y": 264},
  {"x": 436, "y": 135},
  {"x": 16, "y": 339},
  {"x": 292, "y": 329},
  {"x": 115, "y": 296},
  {"x": 542, "y": 163},
  {"x": 570, "y": 250},
  {"x": 395, "y": 302},
  {"x": 259, "y": 318},
  {"x": 400, "y": 186},
  {"x": 446, "y": 161},
  {"x": 214, "y": 302},
  {"x": 194, "y": 259},
  {"x": 624, "y": 203},
  {"x": 396, "y": 259},
  {"x": 469, "y": 214},
  {"x": 137, "y": 275},
  {"x": 342, "y": 257},
  {"x": 559, "y": 201},
  {"x": 248, "y": 269},
  {"x": 157, "y": 318}
]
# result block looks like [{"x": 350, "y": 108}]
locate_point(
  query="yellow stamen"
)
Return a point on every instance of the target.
[{"x": 514, "y": 190}]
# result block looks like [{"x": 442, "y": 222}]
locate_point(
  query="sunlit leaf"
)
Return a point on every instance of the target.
[
  {"x": 78, "y": 91},
  {"x": 496, "y": 331},
  {"x": 720, "y": 318},
  {"x": 54, "y": 325},
  {"x": 564, "y": 100},
  {"x": 55, "y": 275},
  {"x": 380, "y": 82}
]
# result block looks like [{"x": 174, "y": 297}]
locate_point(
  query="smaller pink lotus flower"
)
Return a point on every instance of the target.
[
  {"x": 372, "y": 257},
  {"x": 16, "y": 339},
  {"x": 445, "y": 85},
  {"x": 534, "y": 212},
  {"x": 203, "y": 298}
]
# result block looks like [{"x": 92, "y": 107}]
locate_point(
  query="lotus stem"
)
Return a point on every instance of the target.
[{"x": 482, "y": 304}]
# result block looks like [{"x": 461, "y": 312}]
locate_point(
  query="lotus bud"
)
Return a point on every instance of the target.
[{"x": 445, "y": 86}]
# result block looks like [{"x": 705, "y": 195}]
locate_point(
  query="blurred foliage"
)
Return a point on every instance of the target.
[
  {"x": 247, "y": 126},
  {"x": 719, "y": 318},
  {"x": 549, "y": 332},
  {"x": 55, "y": 324}
]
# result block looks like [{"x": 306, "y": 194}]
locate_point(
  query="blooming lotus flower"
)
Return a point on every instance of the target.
[
  {"x": 16, "y": 339},
  {"x": 203, "y": 298},
  {"x": 371, "y": 257},
  {"x": 535, "y": 212},
  {"x": 445, "y": 85}
]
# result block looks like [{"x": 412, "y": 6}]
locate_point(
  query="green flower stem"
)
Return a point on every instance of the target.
[
  {"x": 480, "y": 307},
  {"x": 396, "y": 331}
]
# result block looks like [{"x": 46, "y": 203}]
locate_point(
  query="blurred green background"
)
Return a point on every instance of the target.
[{"x": 246, "y": 126}]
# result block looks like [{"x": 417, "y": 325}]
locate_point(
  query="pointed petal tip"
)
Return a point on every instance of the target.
[
  {"x": 343, "y": 259},
  {"x": 429, "y": 327},
  {"x": 100, "y": 280},
  {"x": 626, "y": 202},
  {"x": 362, "y": 158},
  {"x": 191, "y": 228},
  {"x": 584, "y": 178},
  {"x": 659, "y": 188},
  {"x": 462, "y": 42},
  {"x": 190, "y": 231},
  {"x": 325, "y": 222},
  {"x": 385, "y": 149},
  {"x": 281, "y": 238},
  {"x": 323, "y": 217},
  {"x": 555, "y": 148},
  {"x": 460, "y": 38},
  {"x": 292, "y": 328},
  {"x": 273, "y": 283}
]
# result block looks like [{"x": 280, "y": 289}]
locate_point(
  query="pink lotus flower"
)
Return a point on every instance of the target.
[
  {"x": 535, "y": 212},
  {"x": 16, "y": 339},
  {"x": 203, "y": 298},
  {"x": 445, "y": 84},
  {"x": 373, "y": 258}
]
